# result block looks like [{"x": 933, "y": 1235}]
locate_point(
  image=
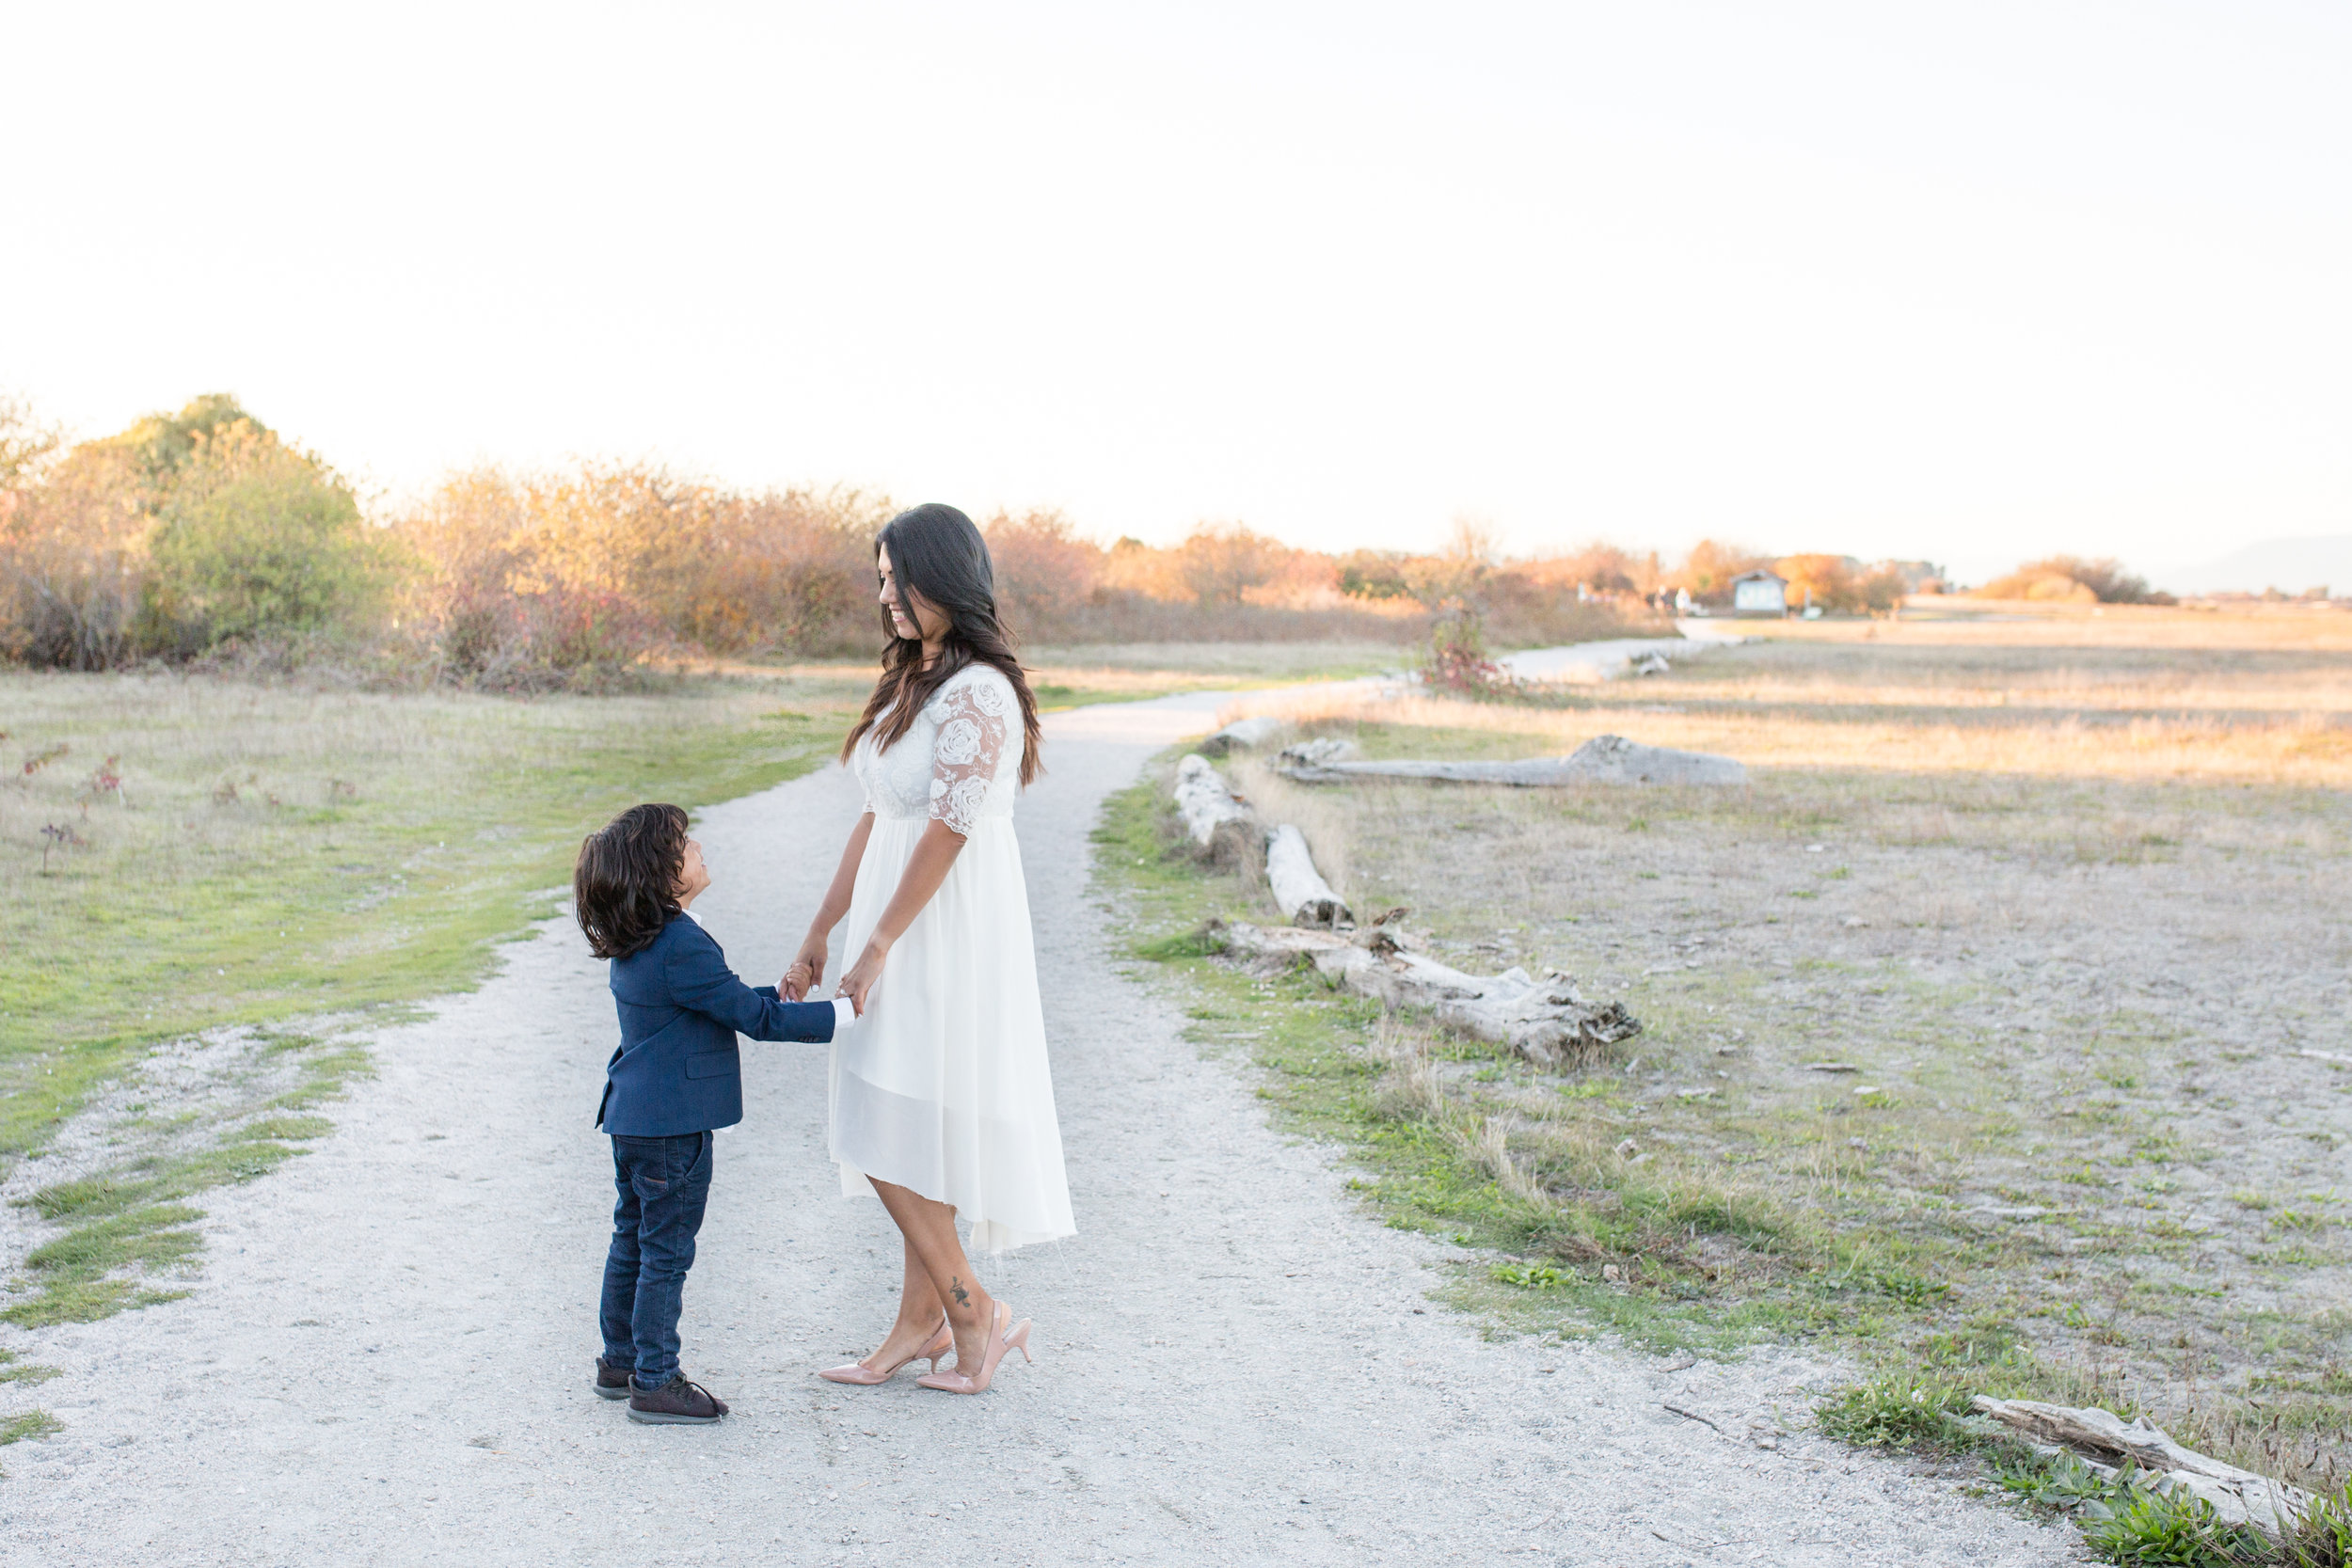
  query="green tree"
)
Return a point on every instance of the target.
[
  {"x": 253, "y": 538},
  {"x": 163, "y": 444}
]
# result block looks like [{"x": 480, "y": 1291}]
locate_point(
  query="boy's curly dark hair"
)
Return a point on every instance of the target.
[{"x": 625, "y": 887}]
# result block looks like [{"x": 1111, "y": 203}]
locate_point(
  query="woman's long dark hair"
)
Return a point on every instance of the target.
[
  {"x": 625, "y": 886},
  {"x": 936, "y": 552}
]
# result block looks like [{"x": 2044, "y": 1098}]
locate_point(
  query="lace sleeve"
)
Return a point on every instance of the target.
[{"x": 971, "y": 742}]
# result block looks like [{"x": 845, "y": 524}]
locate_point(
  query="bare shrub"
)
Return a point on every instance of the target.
[{"x": 72, "y": 559}]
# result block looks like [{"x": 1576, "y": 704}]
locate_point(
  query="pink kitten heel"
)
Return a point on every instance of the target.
[{"x": 858, "y": 1374}]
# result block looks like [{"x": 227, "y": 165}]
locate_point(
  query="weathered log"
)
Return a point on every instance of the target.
[
  {"x": 1546, "y": 1021},
  {"x": 1300, "y": 891},
  {"x": 1603, "y": 759},
  {"x": 1246, "y": 734},
  {"x": 1213, "y": 815},
  {"x": 2238, "y": 1496},
  {"x": 1317, "y": 752}
]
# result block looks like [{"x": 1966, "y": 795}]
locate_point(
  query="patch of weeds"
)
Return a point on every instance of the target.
[
  {"x": 12, "y": 1371},
  {"x": 33, "y": 1423},
  {"x": 1202, "y": 941},
  {"x": 1915, "y": 1414},
  {"x": 1531, "y": 1277},
  {"x": 2169, "y": 1530},
  {"x": 1909, "y": 1288}
]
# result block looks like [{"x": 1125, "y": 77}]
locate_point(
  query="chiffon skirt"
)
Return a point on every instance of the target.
[{"x": 943, "y": 1085}]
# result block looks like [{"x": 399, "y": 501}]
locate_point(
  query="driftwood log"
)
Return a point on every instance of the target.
[
  {"x": 1245, "y": 733},
  {"x": 1603, "y": 759},
  {"x": 1213, "y": 815},
  {"x": 1300, "y": 891},
  {"x": 2238, "y": 1496},
  {"x": 1318, "y": 751},
  {"x": 1546, "y": 1021}
]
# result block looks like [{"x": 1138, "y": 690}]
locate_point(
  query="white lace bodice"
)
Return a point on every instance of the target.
[{"x": 959, "y": 762}]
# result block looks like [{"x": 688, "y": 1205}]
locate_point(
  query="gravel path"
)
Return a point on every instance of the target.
[{"x": 386, "y": 1360}]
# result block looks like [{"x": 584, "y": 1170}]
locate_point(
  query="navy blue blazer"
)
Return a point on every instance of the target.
[{"x": 681, "y": 1006}]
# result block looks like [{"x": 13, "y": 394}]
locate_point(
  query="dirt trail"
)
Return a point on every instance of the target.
[{"x": 388, "y": 1357}]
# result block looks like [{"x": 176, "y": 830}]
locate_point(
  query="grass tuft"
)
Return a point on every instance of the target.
[
  {"x": 33, "y": 1423},
  {"x": 1908, "y": 1414}
]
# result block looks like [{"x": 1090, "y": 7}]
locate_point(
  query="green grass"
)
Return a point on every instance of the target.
[{"x": 278, "y": 853}]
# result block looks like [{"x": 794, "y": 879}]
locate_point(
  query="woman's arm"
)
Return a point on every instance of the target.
[
  {"x": 966, "y": 755},
  {"x": 808, "y": 966},
  {"x": 934, "y": 853}
]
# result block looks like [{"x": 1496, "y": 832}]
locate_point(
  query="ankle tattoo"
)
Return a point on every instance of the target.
[{"x": 955, "y": 1289}]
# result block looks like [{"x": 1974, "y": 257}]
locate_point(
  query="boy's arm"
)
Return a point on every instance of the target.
[{"x": 699, "y": 978}]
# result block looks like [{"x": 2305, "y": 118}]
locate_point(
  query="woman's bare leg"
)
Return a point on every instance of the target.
[
  {"x": 930, "y": 1229},
  {"x": 918, "y": 1316}
]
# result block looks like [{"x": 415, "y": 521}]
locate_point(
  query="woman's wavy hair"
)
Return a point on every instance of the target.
[
  {"x": 936, "y": 552},
  {"x": 625, "y": 884}
]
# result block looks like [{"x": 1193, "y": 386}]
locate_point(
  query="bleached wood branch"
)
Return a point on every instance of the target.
[
  {"x": 2239, "y": 1497},
  {"x": 1300, "y": 891},
  {"x": 1246, "y": 734},
  {"x": 1603, "y": 759},
  {"x": 1546, "y": 1021},
  {"x": 1213, "y": 815}
]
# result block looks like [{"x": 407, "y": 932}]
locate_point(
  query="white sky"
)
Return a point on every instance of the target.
[{"x": 1969, "y": 281}]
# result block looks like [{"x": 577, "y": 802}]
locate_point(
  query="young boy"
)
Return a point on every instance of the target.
[{"x": 674, "y": 1080}]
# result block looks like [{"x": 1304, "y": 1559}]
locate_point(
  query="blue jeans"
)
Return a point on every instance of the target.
[{"x": 664, "y": 1184}]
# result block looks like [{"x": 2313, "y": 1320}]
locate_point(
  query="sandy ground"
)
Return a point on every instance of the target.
[{"x": 388, "y": 1357}]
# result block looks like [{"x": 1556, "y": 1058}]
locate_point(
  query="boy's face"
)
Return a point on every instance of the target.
[{"x": 692, "y": 876}]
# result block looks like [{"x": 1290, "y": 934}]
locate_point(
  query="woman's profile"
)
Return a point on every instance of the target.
[{"x": 940, "y": 1098}]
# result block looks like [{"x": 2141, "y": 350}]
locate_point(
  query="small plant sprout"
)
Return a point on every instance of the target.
[{"x": 59, "y": 836}]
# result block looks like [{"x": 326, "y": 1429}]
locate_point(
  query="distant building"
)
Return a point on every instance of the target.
[{"x": 1759, "y": 592}]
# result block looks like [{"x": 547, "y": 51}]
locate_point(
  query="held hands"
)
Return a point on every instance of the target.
[{"x": 807, "y": 971}]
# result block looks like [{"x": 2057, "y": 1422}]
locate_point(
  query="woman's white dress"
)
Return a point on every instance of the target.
[{"x": 942, "y": 1086}]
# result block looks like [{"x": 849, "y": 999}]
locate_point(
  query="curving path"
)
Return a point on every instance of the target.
[{"x": 386, "y": 1360}]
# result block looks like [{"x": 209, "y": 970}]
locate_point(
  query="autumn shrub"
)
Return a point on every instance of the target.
[
  {"x": 72, "y": 561},
  {"x": 1456, "y": 661},
  {"x": 186, "y": 533},
  {"x": 2069, "y": 579},
  {"x": 528, "y": 577}
]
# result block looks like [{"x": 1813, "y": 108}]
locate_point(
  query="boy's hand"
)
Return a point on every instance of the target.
[{"x": 806, "y": 972}]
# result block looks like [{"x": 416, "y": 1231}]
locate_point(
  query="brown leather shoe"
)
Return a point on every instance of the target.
[
  {"x": 676, "y": 1403},
  {"x": 612, "y": 1382}
]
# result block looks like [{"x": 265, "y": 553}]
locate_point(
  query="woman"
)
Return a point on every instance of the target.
[{"x": 941, "y": 1103}]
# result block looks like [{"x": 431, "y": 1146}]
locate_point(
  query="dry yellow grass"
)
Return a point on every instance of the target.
[
  {"x": 2069, "y": 894},
  {"x": 2150, "y": 696}
]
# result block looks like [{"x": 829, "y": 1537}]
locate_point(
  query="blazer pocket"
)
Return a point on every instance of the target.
[{"x": 713, "y": 1064}]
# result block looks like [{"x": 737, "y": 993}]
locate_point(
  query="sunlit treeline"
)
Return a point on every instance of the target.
[{"x": 203, "y": 535}]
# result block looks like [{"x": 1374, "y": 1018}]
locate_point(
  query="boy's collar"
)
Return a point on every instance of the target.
[{"x": 693, "y": 916}]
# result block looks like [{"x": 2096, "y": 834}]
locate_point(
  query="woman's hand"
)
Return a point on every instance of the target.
[
  {"x": 807, "y": 971},
  {"x": 862, "y": 974}
]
